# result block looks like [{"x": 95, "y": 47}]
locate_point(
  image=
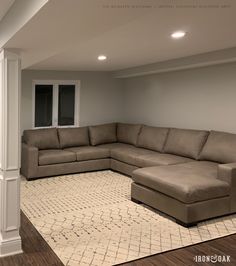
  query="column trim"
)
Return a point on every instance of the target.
[{"x": 10, "y": 93}]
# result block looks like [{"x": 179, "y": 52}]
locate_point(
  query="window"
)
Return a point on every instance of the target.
[{"x": 55, "y": 103}]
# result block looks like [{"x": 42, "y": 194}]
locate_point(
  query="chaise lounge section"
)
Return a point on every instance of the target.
[
  {"x": 193, "y": 191},
  {"x": 187, "y": 174}
]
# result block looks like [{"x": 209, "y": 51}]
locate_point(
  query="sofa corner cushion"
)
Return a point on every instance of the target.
[
  {"x": 220, "y": 147},
  {"x": 152, "y": 138},
  {"x": 128, "y": 133},
  {"x": 73, "y": 137},
  {"x": 47, "y": 157},
  {"x": 102, "y": 134},
  {"x": 185, "y": 142},
  {"x": 129, "y": 155},
  {"x": 42, "y": 138}
]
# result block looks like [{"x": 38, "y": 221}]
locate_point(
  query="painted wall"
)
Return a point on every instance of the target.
[
  {"x": 101, "y": 96},
  {"x": 203, "y": 98}
]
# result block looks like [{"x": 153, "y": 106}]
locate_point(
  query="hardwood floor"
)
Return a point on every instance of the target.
[
  {"x": 38, "y": 253},
  {"x": 185, "y": 256}
]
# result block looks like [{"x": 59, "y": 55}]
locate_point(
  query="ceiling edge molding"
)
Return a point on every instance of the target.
[
  {"x": 189, "y": 62},
  {"x": 17, "y": 16}
]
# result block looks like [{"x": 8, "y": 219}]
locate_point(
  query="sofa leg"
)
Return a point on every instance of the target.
[
  {"x": 136, "y": 201},
  {"x": 187, "y": 225}
]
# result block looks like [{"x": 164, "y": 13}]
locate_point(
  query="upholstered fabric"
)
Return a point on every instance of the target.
[
  {"x": 186, "y": 213},
  {"x": 188, "y": 183},
  {"x": 227, "y": 173},
  {"x": 73, "y": 137},
  {"x": 102, "y": 134},
  {"x": 56, "y": 156},
  {"x": 129, "y": 155},
  {"x": 160, "y": 159},
  {"x": 185, "y": 142},
  {"x": 29, "y": 160},
  {"x": 124, "y": 168},
  {"x": 220, "y": 147},
  {"x": 89, "y": 153},
  {"x": 112, "y": 146},
  {"x": 74, "y": 167},
  {"x": 128, "y": 133},
  {"x": 42, "y": 138},
  {"x": 152, "y": 138}
]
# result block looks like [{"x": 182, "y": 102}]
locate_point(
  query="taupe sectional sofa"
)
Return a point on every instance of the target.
[{"x": 188, "y": 174}]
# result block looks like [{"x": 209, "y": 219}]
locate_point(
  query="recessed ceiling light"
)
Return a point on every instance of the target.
[
  {"x": 178, "y": 34},
  {"x": 102, "y": 57}
]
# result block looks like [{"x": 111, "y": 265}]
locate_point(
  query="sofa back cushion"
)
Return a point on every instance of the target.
[
  {"x": 185, "y": 142},
  {"x": 152, "y": 138},
  {"x": 73, "y": 137},
  {"x": 128, "y": 133},
  {"x": 102, "y": 134},
  {"x": 220, "y": 147},
  {"x": 42, "y": 138}
]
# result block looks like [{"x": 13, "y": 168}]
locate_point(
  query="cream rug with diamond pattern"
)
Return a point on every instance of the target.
[{"x": 88, "y": 219}]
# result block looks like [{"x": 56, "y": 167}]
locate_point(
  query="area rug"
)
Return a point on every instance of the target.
[{"x": 88, "y": 219}]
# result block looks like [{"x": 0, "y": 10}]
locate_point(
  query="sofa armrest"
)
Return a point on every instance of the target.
[
  {"x": 227, "y": 173},
  {"x": 29, "y": 161}
]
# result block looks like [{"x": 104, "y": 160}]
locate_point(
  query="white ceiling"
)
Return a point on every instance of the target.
[
  {"x": 69, "y": 35},
  {"x": 4, "y": 7}
]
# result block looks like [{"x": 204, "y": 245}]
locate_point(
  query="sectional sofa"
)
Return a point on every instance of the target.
[{"x": 187, "y": 174}]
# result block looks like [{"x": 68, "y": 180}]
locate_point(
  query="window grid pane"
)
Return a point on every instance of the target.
[
  {"x": 66, "y": 105},
  {"x": 43, "y": 105}
]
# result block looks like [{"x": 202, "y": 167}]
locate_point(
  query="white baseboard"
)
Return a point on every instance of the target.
[{"x": 10, "y": 247}]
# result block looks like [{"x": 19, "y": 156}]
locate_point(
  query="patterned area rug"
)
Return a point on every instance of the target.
[{"x": 88, "y": 219}]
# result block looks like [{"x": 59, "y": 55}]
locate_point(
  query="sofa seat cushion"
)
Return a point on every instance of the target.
[
  {"x": 89, "y": 153},
  {"x": 47, "y": 157},
  {"x": 129, "y": 155},
  {"x": 188, "y": 183},
  {"x": 160, "y": 159},
  {"x": 117, "y": 145}
]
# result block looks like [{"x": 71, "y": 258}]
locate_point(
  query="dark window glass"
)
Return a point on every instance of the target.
[
  {"x": 43, "y": 105},
  {"x": 66, "y": 105}
]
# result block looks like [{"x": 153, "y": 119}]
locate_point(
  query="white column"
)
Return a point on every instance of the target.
[{"x": 10, "y": 93}]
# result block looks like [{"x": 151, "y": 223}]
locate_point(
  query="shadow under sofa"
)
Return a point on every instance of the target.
[{"x": 187, "y": 174}]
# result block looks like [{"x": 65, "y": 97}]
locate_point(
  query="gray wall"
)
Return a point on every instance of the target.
[
  {"x": 203, "y": 98},
  {"x": 101, "y": 96}
]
